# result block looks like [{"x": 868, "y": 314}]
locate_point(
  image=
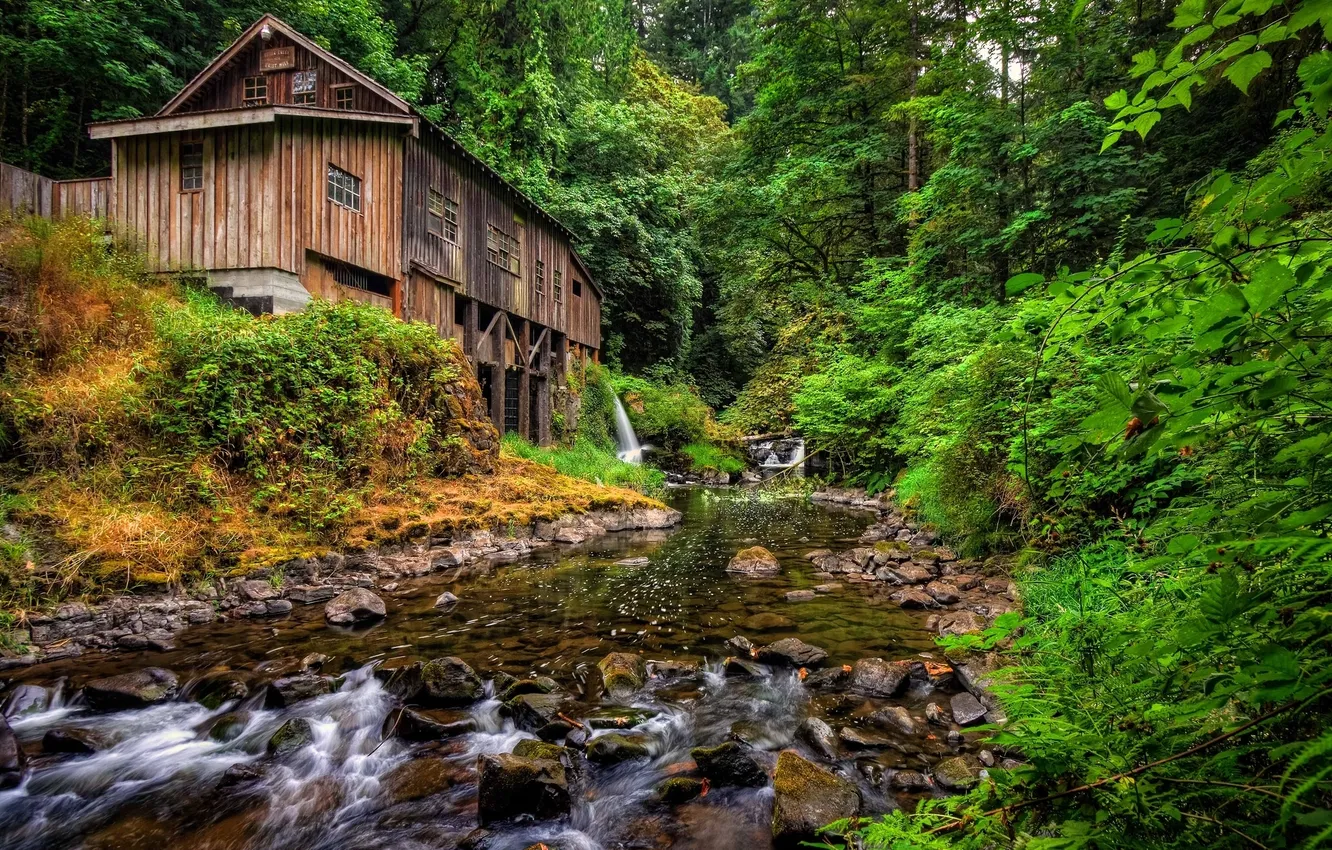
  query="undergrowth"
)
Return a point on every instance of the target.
[{"x": 588, "y": 461}]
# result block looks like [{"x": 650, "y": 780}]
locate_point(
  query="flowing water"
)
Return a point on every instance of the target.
[
  {"x": 627, "y": 441},
  {"x": 157, "y": 778}
]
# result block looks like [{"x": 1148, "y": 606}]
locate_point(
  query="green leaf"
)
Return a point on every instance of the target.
[
  {"x": 1145, "y": 122},
  {"x": 1189, "y": 13},
  {"x": 1269, "y": 283},
  {"x": 1109, "y": 141},
  {"x": 1022, "y": 282},
  {"x": 1242, "y": 71},
  {"x": 1183, "y": 544},
  {"x": 1116, "y": 388},
  {"x": 1143, "y": 62},
  {"x": 1118, "y": 100}
]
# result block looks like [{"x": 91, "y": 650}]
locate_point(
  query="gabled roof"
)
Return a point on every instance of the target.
[{"x": 277, "y": 25}]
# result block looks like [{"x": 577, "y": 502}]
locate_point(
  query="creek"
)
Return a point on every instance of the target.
[{"x": 164, "y": 775}]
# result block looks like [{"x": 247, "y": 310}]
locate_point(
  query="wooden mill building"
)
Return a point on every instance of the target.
[{"x": 282, "y": 173}]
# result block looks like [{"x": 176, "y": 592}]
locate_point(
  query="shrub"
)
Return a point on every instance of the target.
[
  {"x": 708, "y": 457},
  {"x": 590, "y": 462}
]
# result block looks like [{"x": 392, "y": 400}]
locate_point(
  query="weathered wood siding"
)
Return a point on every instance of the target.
[
  {"x": 306, "y": 220},
  {"x": 90, "y": 197},
  {"x": 227, "y": 89},
  {"x": 584, "y": 313},
  {"x": 318, "y": 279},
  {"x": 264, "y": 198},
  {"x": 427, "y": 300},
  {"x": 24, "y": 192}
]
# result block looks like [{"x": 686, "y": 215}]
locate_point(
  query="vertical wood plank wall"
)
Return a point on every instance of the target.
[
  {"x": 90, "y": 197},
  {"x": 24, "y": 192}
]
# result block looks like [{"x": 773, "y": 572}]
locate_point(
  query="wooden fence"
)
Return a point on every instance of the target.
[{"x": 31, "y": 194}]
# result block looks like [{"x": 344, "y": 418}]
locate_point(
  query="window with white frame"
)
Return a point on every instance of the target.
[{"x": 344, "y": 188}]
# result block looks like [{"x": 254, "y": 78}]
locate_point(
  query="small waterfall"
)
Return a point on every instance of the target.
[
  {"x": 777, "y": 454},
  {"x": 629, "y": 449}
]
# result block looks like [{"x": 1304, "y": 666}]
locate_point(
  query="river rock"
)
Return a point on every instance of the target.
[
  {"x": 446, "y": 600},
  {"x": 633, "y": 562},
  {"x": 895, "y": 717},
  {"x": 357, "y": 605},
  {"x": 958, "y": 773},
  {"x": 909, "y": 780},
  {"x": 229, "y": 726},
  {"x": 421, "y": 778},
  {"x": 754, "y": 561},
  {"x": 816, "y": 554},
  {"x": 938, "y": 715},
  {"x": 943, "y": 593},
  {"x": 914, "y": 599},
  {"x": 622, "y": 673},
  {"x": 510, "y": 786},
  {"x": 425, "y": 725},
  {"x": 678, "y": 789},
  {"x": 820, "y": 737},
  {"x": 139, "y": 689},
  {"x": 290, "y": 690},
  {"x": 960, "y": 623},
  {"x": 518, "y": 687},
  {"x": 799, "y": 595},
  {"x": 966, "y": 709},
  {"x": 449, "y": 682},
  {"x": 404, "y": 681},
  {"x": 253, "y": 590},
  {"x": 862, "y": 739},
  {"x": 616, "y": 747},
  {"x": 831, "y": 679},
  {"x": 534, "y": 711},
  {"x": 766, "y": 621},
  {"x": 965, "y": 581},
  {"x": 616, "y": 717},
  {"x": 13, "y": 761},
  {"x": 213, "y": 690},
  {"x": 742, "y": 669},
  {"x": 905, "y": 574},
  {"x": 830, "y": 587},
  {"x": 792, "y": 652},
  {"x": 730, "y": 763},
  {"x": 290, "y": 737},
  {"x": 807, "y": 798},
  {"x": 76, "y": 741},
  {"x": 26, "y": 699},
  {"x": 875, "y": 677}
]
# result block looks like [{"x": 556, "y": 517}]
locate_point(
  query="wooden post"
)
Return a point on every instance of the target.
[
  {"x": 469, "y": 322},
  {"x": 523, "y": 340},
  {"x": 543, "y": 392},
  {"x": 497, "y": 381}
]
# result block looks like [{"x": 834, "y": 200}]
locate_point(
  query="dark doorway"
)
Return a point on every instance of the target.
[{"x": 511, "y": 401}]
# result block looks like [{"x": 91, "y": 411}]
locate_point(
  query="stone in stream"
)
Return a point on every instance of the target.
[
  {"x": 740, "y": 668},
  {"x": 909, "y": 780},
  {"x": 672, "y": 669},
  {"x": 678, "y": 789},
  {"x": 816, "y": 554},
  {"x": 616, "y": 747},
  {"x": 730, "y": 763},
  {"x": 862, "y": 739},
  {"x": 831, "y": 587},
  {"x": 874, "y": 677},
  {"x": 241, "y": 774},
  {"x": 450, "y": 682},
  {"x": 967, "y": 710},
  {"x": 229, "y": 726},
  {"x": 446, "y": 600},
  {"x": 904, "y": 574},
  {"x": 533, "y": 711},
  {"x": 356, "y": 605},
  {"x": 72, "y": 741},
  {"x": 914, "y": 599},
  {"x": 943, "y": 593},
  {"x": 622, "y": 673},
  {"x": 960, "y": 623},
  {"x": 767, "y": 621},
  {"x": 792, "y": 652},
  {"x": 740, "y": 645},
  {"x": 965, "y": 581},
  {"x": 26, "y": 699},
  {"x": 820, "y": 737},
  {"x": 425, "y": 725},
  {"x": 614, "y": 717},
  {"x": 633, "y": 562},
  {"x": 290, "y": 690},
  {"x": 510, "y": 786},
  {"x": 807, "y": 798},
  {"x": 290, "y": 737},
  {"x": 13, "y": 761},
  {"x": 754, "y": 561},
  {"x": 831, "y": 679},
  {"x": 421, "y": 778},
  {"x": 938, "y": 715},
  {"x": 539, "y": 685},
  {"x": 799, "y": 595},
  {"x": 958, "y": 773},
  {"x": 404, "y": 681},
  {"x": 142, "y": 688},
  {"x": 895, "y": 717}
]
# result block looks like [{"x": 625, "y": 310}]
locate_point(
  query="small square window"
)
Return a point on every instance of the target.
[
  {"x": 559, "y": 287},
  {"x": 304, "y": 88},
  {"x": 578, "y": 288},
  {"x": 256, "y": 91},
  {"x": 344, "y": 189},
  {"x": 191, "y": 162},
  {"x": 344, "y": 97},
  {"x": 502, "y": 249},
  {"x": 540, "y": 278}
]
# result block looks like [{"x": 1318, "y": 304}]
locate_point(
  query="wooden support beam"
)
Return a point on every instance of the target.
[
  {"x": 524, "y": 381},
  {"x": 469, "y": 319},
  {"x": 541, "y": 345},
  {"x": 497, "y": 376},
  {"x": 543, "y": 390}
]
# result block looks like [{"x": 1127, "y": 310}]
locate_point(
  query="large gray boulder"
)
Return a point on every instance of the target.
[
  {"x": 450, "y": 681},
  {"x": 807, "y": 799},
  {"x": 290, "y": 737},
  {"x": 534, "y": 711},
  {"x": 792, "y": 652},
  {"x": 13, "y": 762},
  {"x": 149, "y": 686},
  {"x": 958, "y": 773},
  {"x": 966, "y": 709},
  {"x": 730, "y": 764},
  {"x": 820, "y": 737},
  {"x": 754, "y": 561},
  {"x": 510, "y": 786},
  {"x": 357, "y": 605},
  {"x": 615, "y": 747},
  {"x": 875, "y": 677}
]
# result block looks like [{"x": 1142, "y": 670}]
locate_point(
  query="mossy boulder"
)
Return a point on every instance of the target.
[
  {"x": 290, "y": 737},
  {"x": 510, "y": 786},
  {"x": 622, "y": 673},
  {"x": 534, "y": 711},
  {"x": 356, "y": 605},
  {"x": 539, "y": 685},
  {"x": 616, "y": 747},
  {"x": 730, "y": 763},
  {"x": 958, "y": 773},
  {"x": 807, "y": 798},
  {"x": 142, "y": 688},
  {"x": 754, "y": 561},
  {"x": 678, "y": 789},
  {"x": 449, "y": 682}
]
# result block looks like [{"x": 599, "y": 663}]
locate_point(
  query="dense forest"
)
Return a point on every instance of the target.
[{"x": 1056, "y": 272}]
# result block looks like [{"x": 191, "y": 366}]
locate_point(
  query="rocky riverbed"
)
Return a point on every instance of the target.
[{"x": 628, "y": 692}]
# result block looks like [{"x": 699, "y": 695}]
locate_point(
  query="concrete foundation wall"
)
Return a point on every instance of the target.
[{"x": 260, "y": 290}]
